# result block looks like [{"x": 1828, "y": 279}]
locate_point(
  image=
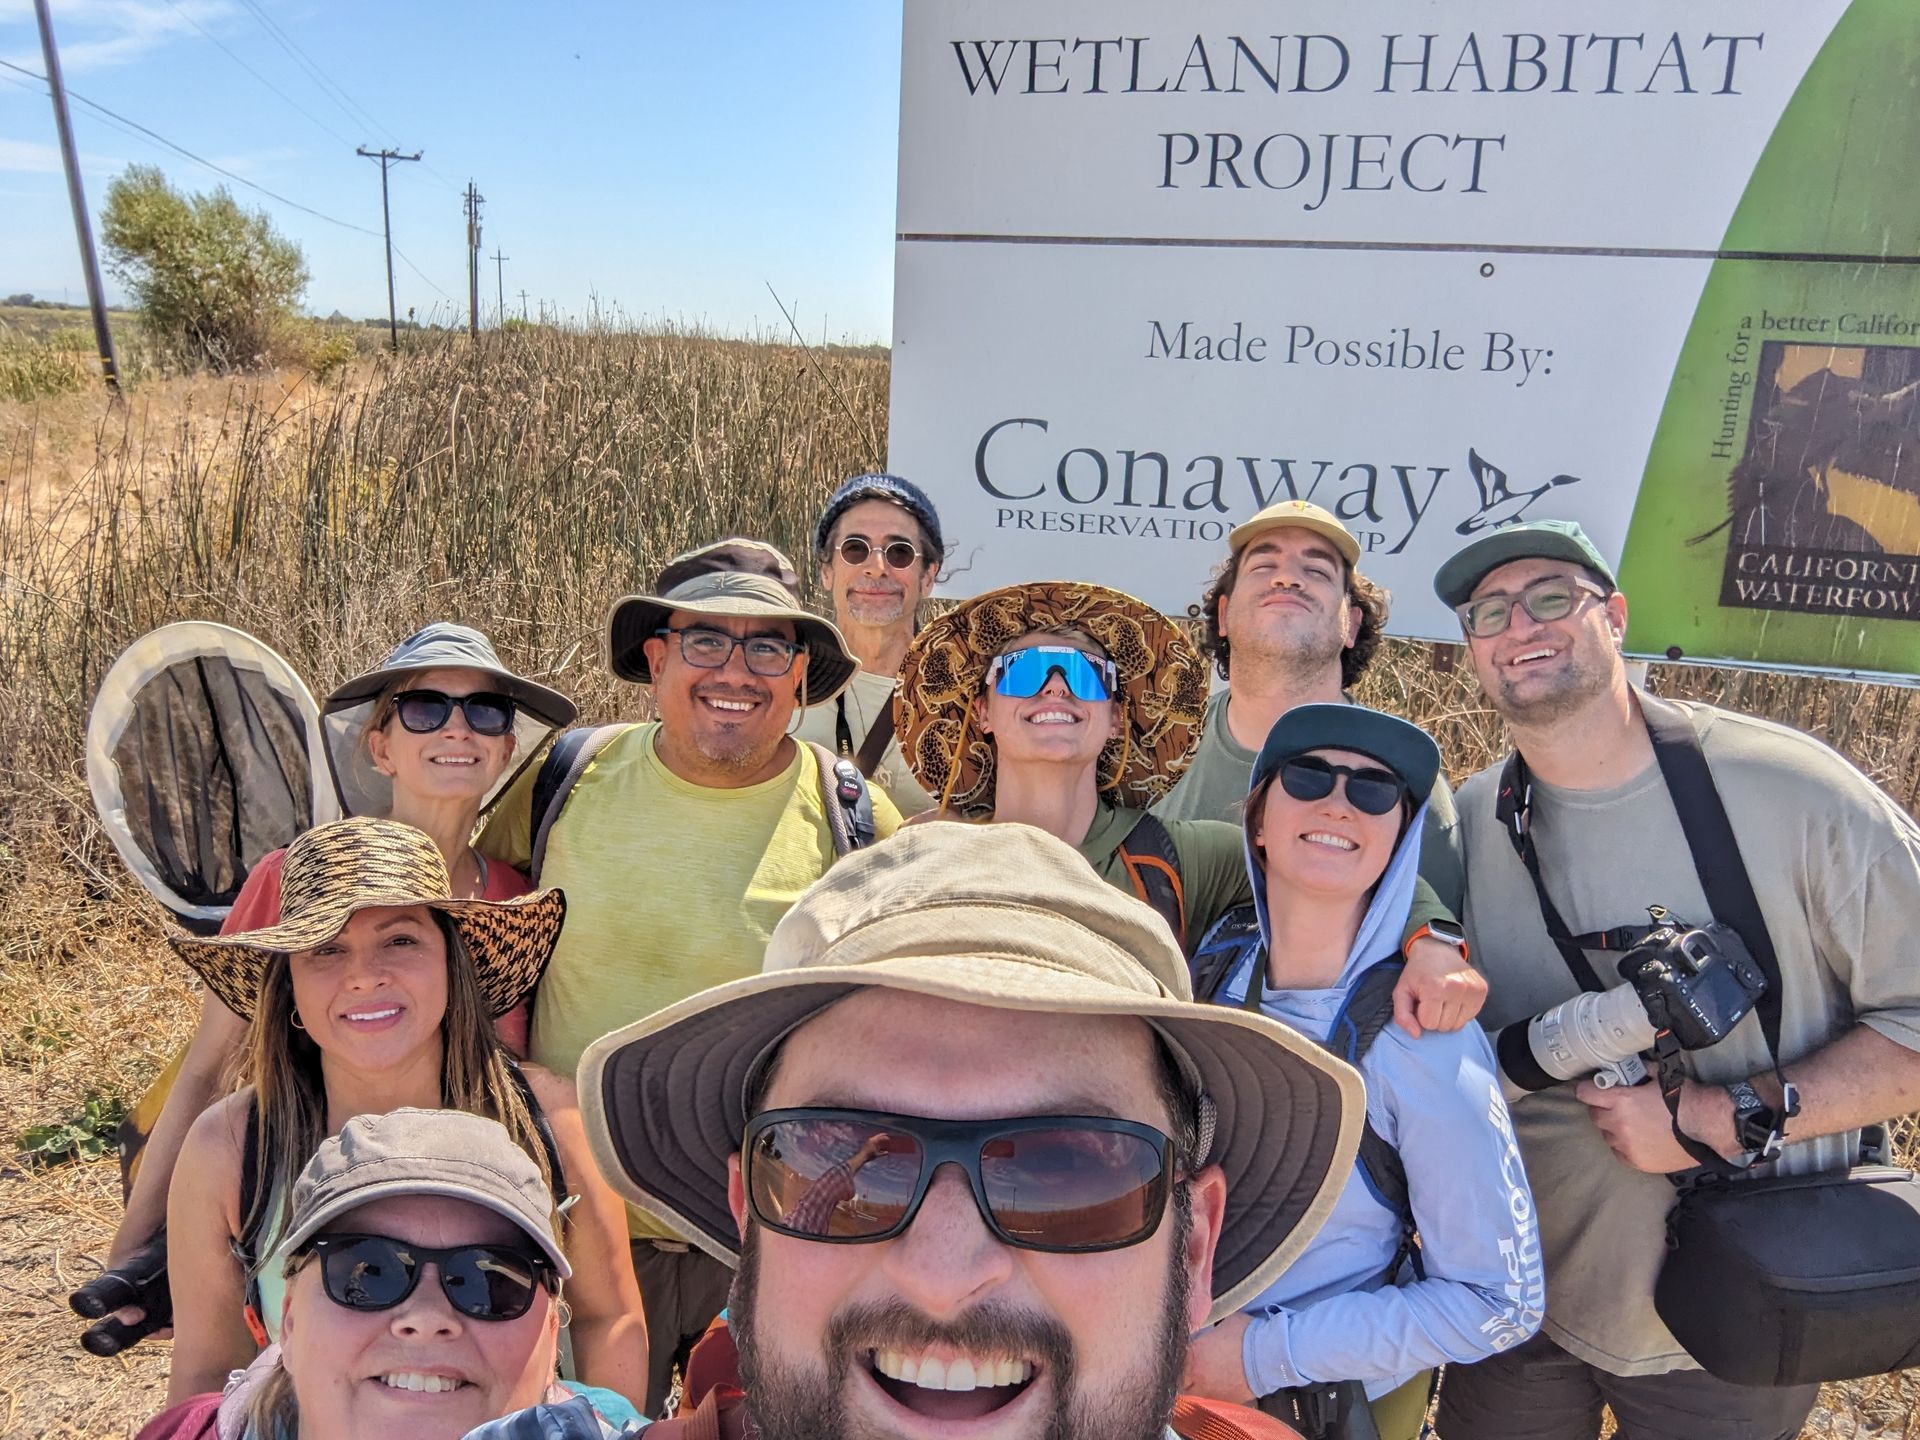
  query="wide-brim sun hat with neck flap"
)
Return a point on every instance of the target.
[
  {"x": 335, "y": 870},
  {"x": 1162, "y": 689},
  {"x": 538, "y": 712},
  {"x": 1005, "y": 917},
  {"x": 729, "y": 579}
]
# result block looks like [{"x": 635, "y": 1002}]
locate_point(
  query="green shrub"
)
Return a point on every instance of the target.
[
  {"x": 213, "y": 282},
  {"x": 30, "y": 370}
]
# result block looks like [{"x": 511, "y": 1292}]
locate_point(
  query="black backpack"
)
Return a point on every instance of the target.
[
  {"x": 1364, "y": 1013},
  {"x": 850, "y": 813}
]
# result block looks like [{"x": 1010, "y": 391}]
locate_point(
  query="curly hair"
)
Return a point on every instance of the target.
[{"x": 1354, "y": 660}]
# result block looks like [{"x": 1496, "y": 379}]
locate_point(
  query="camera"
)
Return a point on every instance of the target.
[{"x": 1695, "y": 982}]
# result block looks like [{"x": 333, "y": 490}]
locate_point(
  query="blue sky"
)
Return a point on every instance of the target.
[{"x": 670, "y": 159}]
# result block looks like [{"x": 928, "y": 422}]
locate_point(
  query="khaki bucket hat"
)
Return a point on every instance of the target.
[
  {"x": 335, "y": 870},
  {"x": 1162, "y": 689},
  {"x": 1003, "y": 916},
  {"x": 733, "y": 578},
  {"x": 538, "y": 712}
]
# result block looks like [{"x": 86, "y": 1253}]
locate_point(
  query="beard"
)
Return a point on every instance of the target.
[
  {"x": 1584, "y": 677},
  {"x": 789, "y": 1400}
]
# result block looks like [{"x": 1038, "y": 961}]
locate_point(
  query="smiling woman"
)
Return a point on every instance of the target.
[{"x": 374, "y": 991}]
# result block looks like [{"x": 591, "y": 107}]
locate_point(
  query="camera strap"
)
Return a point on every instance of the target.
[{"x": 1716, "y": 859}]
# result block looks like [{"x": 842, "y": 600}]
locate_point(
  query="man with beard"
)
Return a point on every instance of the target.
[
  {"x": 1835, "y": 867},
  {"x": 1290, "y": 620},
  {"x": 879, "y": 547},
  {"x": 982, "y": 1163},
  {"x": 683, "y": 841}
]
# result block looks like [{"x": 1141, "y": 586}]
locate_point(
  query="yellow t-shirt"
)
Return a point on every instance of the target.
[{"x": 671, "y": 887}]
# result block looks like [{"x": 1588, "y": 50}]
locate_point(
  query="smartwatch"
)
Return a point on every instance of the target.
[
  {"x": 1448, "y": 932},
  {"x": 1758, "y": 1128}
]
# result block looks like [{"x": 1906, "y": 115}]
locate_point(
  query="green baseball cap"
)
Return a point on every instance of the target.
[{"x": 1456, "y": 580}]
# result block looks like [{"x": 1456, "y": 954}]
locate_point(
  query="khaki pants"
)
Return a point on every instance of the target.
[{"x": 681, "y": 1289}]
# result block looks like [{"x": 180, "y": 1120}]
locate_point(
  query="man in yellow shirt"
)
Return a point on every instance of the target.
[{"x": 684, "y": 840}]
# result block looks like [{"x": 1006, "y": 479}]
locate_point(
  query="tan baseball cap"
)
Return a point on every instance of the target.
[
  {"x": 1003, "y": 916},
  {"x": 448, "y": 1153},
  {"x": 1306, "y": 515}
]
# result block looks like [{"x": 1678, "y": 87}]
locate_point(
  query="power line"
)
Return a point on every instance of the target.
[
  {"x": 155, "y": 135},
  {"x": 349, "y": 107},
  {"x": 184, "y": 15}
]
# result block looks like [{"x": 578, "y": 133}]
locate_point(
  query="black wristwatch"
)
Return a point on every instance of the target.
[{"x": 1758, "y": 1128}]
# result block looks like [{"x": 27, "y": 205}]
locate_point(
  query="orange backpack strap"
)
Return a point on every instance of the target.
[
  {"x": 1198, "y": 1419},
  {"x": 713, "y": 1362},
  {"x": 1153, "y": 866},
  {"x": 722, "y": 1415}
]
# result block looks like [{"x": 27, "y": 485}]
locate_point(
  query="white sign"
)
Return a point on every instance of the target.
[{"x": 1429, "y": 264}]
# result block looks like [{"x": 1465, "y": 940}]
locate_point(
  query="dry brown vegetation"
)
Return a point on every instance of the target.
[{"x": 517, "y": 485}]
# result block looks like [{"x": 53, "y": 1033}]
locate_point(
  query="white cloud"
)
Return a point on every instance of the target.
[
  {"x": 32, "y": 157},
  {"x": 98, "y": 34}
]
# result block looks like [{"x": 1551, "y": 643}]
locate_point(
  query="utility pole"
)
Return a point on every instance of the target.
[
  {"x": 89, "y": 262},
  {"x": 386, "y": 159},
  {"x": 474, "y": 200},
  {"x": 523, "y": 305},
  {"x": 499, "y": 295}
]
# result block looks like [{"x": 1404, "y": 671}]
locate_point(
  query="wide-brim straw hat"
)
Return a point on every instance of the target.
[
  {"x": 1162, "y": 687},
  {"x": 538, "y": 712},
  {"x": 335, "y": 870},
  {"x": 733, "y": 579},
  {"x": 1007, "y": 917}
]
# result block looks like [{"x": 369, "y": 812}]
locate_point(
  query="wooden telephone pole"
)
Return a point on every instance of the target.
[
  {"x": 474, "y": 200},
  {"x": 499, "y": 280},
  {"x": 89, "y": 262},
  {"x": 386, "y": 158}
]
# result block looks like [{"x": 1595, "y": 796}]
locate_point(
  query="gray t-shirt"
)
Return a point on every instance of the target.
[
  {"x": 864, "y": 699},
  {"x": 1215, "y": 786},
  {"x": 1836, "y": 866}
]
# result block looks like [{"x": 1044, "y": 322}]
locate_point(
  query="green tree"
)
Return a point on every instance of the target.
[{"x": 214, "y": 284}]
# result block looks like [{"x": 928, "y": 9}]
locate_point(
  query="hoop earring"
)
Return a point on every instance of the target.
[{"x": 295, "y": 1021}]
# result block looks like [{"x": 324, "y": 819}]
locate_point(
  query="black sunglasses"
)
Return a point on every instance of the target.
[
  {"x": 377, "y": 1272},
  {"x": 899, "y": 554},
  {"x": 1370, "y": 791},
  {"x": 424, "y": 711},
  {"x": 1060, "y": 1183}
]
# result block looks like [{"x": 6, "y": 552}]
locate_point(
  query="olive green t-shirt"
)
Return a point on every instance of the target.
[
  {"x": 1836, "y": 867},
  {"x": 671, "y": 887},
  {"x": 1215, "y": 786}
]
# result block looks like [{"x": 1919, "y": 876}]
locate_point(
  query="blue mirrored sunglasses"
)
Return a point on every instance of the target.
[{"x": 1022, "y": 673}]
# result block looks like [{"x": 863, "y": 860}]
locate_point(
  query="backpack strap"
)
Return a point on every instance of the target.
[
  {"x": 567, "y": 760},
  {"x": 1153, "y": 865},
  {"x": 849, "y": 803},
  {"x": 1195, "y": 1418},
  {"x": 873, "y": 746},
  {"x": 253, "y": 1219},
  {"x": 1222, "y": 951},
  {"x": 1363, "y": 1015}
]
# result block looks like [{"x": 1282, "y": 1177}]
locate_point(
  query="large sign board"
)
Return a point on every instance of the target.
[{"x": 1441, "y": 266}]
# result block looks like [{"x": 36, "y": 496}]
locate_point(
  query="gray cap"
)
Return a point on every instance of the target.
[
  {"x": 537, "y": 712},
  {"x": 423, "y": 1152},
  {"x": 1456, "y": 580}
]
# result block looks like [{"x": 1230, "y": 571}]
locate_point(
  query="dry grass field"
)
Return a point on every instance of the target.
[{"x": 517, "y": 485}]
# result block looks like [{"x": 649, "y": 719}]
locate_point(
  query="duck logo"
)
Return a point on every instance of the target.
[{"x": 1500, "y": 504}]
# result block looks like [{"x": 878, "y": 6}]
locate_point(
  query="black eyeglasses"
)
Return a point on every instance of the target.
[
  {"x": 899, "y": 554},
  {"x": 767, "y": 655},
  {"x": 1061, "y": 1183},
  {"x": 1554, "y": 598},
  {"x": 376, "y": 1272},
  {"x": 1370, "y": 791},
  {"x": 425, "y": 711}
]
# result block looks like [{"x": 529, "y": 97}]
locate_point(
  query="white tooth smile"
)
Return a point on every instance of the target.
[
  {"x": 963, "y": 1372},
  {"x": 740, "y": 705},
  {"x": 454, "y": 760},
  {"x": 1053, "y": 717},
  {"x": 1531, "y": 655},
  {"x": 375, "y": 1014},
  {"x": 1321, "y": 837},
  {"x": 424, "y": 1384}
]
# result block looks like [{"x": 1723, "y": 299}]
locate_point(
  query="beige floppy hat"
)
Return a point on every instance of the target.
[{"x": 1003, "y": 916}]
